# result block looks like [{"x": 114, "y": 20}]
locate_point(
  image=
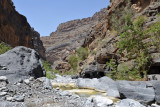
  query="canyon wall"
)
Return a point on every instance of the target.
[
  {"x": 68, "y": 37},
  {"x": 16, "y": 31}
]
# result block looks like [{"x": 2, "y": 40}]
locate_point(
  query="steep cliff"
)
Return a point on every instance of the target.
[
  {"x": 68, "y": 37},
  {"x": 16, "y": 31},
  {"x": 103, "y": 39},
  {"x": 100, "y": 34}
]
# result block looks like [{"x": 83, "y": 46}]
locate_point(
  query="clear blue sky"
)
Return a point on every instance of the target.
[{"x": 46, "y": 15}]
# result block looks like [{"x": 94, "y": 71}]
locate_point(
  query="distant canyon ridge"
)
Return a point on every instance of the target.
[{"x": 68, "y": 37}]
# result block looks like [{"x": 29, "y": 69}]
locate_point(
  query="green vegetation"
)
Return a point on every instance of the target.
[
  {"x": 74, "y": 59},
  {"x": 132, "y": 41},
  {"x": 111, "y": 65},
  {"x": 117, "y": 17},
  {"x": 82, "y": 53},
  {"x": 50, "y": 73},
  {"x": 4, "y": 48}
]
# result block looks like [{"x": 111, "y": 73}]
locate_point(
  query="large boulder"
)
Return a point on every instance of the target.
[
  {"x": 21, "y": 63},
  {"x": 156, "y": 86},
  {"x": 101, "y": 101},
  {"x": 103, "y": 56},
  {"x": 87, "y": 83},
  {"x": 111, "y": 88},
  {"x": 104, "y": 84},
  {"x": 129, "y": 103},
  {"x": 139, "y": 90}
]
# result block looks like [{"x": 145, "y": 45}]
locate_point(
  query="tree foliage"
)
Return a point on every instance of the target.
[{"x": 132, "y": 43}]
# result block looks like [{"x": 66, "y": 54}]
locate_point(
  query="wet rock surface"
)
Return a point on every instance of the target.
[
  {"x": 145, "y": 93},
  {"x": 104, "y": 84}
]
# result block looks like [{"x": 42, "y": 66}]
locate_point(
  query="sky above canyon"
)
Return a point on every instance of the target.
[{"x": 45, "y": 15}]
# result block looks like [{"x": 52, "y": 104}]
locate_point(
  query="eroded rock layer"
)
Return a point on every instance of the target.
[
  {"x": 16, "y": 31},
  {"x": 69, "y": 36}
]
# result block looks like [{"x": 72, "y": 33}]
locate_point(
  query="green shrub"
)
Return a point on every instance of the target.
[
  {"x": 118, "y": 16},
  {"x": 71, "y": 72},
  {"x": 82, "y": 53},
  {"x": 112, "y": 67},
  {"x": 131, "y": 40},
  {"x": 132, "y": 43},
  {"x": 4, "y": 48},
  {"x": 50, "y": 73},
  {"x": 73, "y": 61}
]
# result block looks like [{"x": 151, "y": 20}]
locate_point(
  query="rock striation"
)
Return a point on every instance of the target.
[
  {"x": 101, "y": 40},
  {"x": 68, "y": 37},
  {"x": 16, "y": 31}
]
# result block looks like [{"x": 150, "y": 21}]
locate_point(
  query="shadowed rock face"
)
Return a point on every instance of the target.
[{"x": 15, "y": 30}]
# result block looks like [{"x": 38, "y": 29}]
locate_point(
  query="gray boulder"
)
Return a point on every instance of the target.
[
  {"x": 156, "y": 86},
  {"x": 87, "y": 83},
  {"x": 104, "y": 84},
  {"x": 3, "y": 81},
  {"x": 139, "y": 90},
  {"x": 101, "y": 101},
  {"x": 129, "y": 103},
  {"x": 46, "y": 83},
  {"x": 107, "y": 84},
  {"x": 21, "y": 63}
]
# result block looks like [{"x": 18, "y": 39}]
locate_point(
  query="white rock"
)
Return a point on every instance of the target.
[
  {"x": 66, "y": 93},
  {"x": 155, "y": 105},
  {"x": 129, "y": 103},
  {"x": 3, "y": 78},
  {"x": 102, "y": 101},
  {"x": 9, "y": 98},
  {"x": 31, "y": 79},
  {"x": 18, "y": 84},
  {"x": 26, "y": 81},
  {"x": 3, "y": 93}
]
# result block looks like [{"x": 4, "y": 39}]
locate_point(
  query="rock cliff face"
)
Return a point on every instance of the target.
[
  {"x": 69, "y": 36},
  {"x": 97, "y": 33},
  {"x": 15, "y": 30},
  {"x": 106, "y": 48}
]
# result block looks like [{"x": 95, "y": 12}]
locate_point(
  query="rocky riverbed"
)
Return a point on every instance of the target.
[
  {"x": 120, "y": 93},
  {"x": 23, "y": 84},
  {"x": 39, "y": 93}
]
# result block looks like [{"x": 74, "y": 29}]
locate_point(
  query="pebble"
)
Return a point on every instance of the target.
[
  {"x": 155, "y": 105},
  {"x": 31, "y": 79},
  {"x": 3, "y": 94},
  {"x": 9, "y": 98},
  {"x": 3, "y": 88},
  {"x": 19, "y": 98},
  {"x": 20, "y": 81},
  {"x": 18, "y": 84},
  {"x": 57, "y": 88},
  {"x": 3, "y": 78},
  {"x": 65, "y": 93},
  {"x": 26, "y": 81}
]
